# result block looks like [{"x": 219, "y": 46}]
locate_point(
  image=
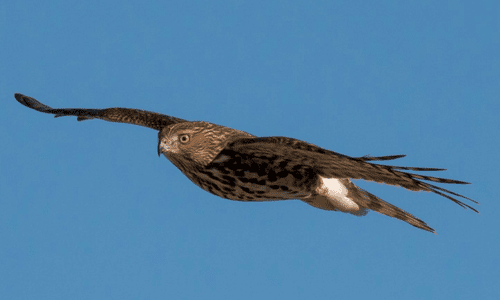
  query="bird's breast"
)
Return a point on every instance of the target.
[{"x": 257, "y": 179}]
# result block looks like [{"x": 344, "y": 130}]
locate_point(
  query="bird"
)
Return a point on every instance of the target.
[{"x": 236, "y": 165}]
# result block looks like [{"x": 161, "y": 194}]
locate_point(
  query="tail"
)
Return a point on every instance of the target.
[
  {"x": 370, "y": 201},
  {"x": 414, "y": 182},
  {"x": 346, "y": 197}
]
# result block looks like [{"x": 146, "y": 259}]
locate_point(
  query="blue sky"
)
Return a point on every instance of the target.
[{"x": 89, "y": 211}]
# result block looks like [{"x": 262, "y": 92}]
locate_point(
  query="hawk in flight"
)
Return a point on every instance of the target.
[{"x": 236, "y": 165}]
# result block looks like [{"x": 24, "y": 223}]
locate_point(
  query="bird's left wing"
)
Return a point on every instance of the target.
[
  {"x": 331, "y": 164},
  {"x": 116, "y": 114}
]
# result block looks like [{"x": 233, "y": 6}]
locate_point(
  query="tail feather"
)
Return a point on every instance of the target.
[
  {"x": 435, "y": 189},
  {"x": 388, "y": 157},
  {"x": 391, "y": 175},
  {"x": 392, "y": 157},
  {"x": 418, "y": 185},
  {"x": 342, "y": 195},
  {"x": 370, "y": 201},
  {"x": 417, "y": 168}
]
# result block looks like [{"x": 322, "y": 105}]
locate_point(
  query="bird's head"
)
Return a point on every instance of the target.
[{"x": 197, "y": 142}]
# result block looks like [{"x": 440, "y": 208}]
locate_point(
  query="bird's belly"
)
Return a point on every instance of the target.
[{"x": 248, "y": 185}]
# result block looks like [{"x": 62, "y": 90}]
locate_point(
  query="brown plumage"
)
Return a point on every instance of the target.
[{"x": 236, "y": 165}]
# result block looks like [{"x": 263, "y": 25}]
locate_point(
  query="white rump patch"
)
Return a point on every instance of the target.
[{"x": 336, "y": 193}]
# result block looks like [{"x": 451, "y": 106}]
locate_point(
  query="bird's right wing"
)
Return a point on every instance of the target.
[
  {"x": 116, "y": 114},
  {"x": 331, "y": 164}
]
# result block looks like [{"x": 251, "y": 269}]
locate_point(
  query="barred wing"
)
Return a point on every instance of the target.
[
  {"x": 116, "y": 114},
  {"x": 331, "y": 164}
]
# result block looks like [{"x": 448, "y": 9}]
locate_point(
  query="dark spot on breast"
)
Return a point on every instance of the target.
[
  {"x": 271, "y": 176},
  {"x": 298, "y": 168},
  {"x": 228, "y": 178},
  {"x": 282, "y": 164},
  {"x": 247, "y": 190},
  {"x": 215, "y": 186},
  {"x": 282, "y": 174},
  {"x": 227, "y": 189},
  {"x": 223, "y": 170},
  {"x": 298, "y": 176},
  {"x": 259, "y": 182}
]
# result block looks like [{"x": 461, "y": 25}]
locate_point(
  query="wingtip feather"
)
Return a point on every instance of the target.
[{"x": 20, "y": 98}]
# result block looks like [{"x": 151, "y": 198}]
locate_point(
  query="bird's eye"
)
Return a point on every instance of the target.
[{"x": 184, "y": 138}]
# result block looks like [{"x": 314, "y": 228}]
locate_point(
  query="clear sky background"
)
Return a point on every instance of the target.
[{"x": 89, "y": 211}]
